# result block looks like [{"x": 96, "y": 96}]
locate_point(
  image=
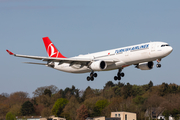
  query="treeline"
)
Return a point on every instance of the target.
[{"x": 75, "y": 104}]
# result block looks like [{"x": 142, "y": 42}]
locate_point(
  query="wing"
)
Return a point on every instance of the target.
[{"x": 83, "y": 61}]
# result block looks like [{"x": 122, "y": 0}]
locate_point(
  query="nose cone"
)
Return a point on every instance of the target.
[{"x": 169, "y": 50}]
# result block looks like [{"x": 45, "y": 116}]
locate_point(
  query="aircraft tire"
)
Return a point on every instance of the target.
[
  {"x": 115, "y": 78},
  {"x": 122, "y": 74},
  {"x": 95, "y": 74},
  {"x": 158, "y": 65},
  {"x": 119, "y": 78},
  {"x": 88, "y": 78},
  {"x": 92, "y": 78}
]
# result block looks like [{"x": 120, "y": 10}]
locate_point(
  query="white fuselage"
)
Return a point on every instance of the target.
[{"x": 125, "y": 56}]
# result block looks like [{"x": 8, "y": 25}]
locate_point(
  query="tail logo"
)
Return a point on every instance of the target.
[{"x": 51, "y": 50}]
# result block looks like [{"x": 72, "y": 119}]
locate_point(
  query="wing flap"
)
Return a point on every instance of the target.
[
  {"x": 35, "y": 63},
  {"x": 69, "y": 60},
  {"x": 61, "y": 60}
]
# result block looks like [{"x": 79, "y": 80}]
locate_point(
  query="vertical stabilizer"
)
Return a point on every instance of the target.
[{"x": 51, "y": 49}]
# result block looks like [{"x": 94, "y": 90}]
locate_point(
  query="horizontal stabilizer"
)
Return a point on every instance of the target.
[{"x": 35, "y": 63}]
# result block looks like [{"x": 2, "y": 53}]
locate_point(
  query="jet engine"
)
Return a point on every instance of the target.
[
  {"x": 98, "y": 65},
  {"x": 145, "y": 65}
]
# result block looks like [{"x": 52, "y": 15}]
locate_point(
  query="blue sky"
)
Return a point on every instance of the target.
[{"x": 81, "y": 27}]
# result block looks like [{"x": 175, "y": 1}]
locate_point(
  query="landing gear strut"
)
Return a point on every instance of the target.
[
  {"x": 158, "y": 64},
  {"x": 91, "y": 77},
  {"x": 119, "y": 75}
]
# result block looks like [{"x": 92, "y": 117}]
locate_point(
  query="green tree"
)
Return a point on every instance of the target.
[
  {"x": 137, "y": 90},
  {"x": 61, "y": 93},
  {"x": 40, "y": 91},
  {"x": 166, "y": 114},
  {"x": 100, "y": 105},
  {"x": 27, "y": 108},
  {"x": 71, "y": 108},
  {"x": 150, "y": 84},
  {"x": 120, "y": 84},
  {"x": 145, "y": 87},
  {"x": 47, "y": 92},
  {"x": 138, "y": 100},
  {"x": 88, "y": 93},
  {"x": 68, "y": 92},
  {"x": 173, "y": 88},
  {"x": 109, "y": 84},
  {"x": 59, "y": 106},
  {"x": 90, "y": 105},
  {"x": 175, "y": 114},
  {"x": 164, "y": 89},
  {"x": 10, "y": 116},
  {"x": 117, "y": 91},
  {"x": 127, "y": 91}
]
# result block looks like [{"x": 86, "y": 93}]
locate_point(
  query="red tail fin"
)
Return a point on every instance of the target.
[{"x": 51, "y": 49}]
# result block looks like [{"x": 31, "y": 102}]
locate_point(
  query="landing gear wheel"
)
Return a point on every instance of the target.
[
  {"x": 119, "y": 74},
  {"x": 88, "y": 78},
  {"x": 115, "y": 78},
  {"x": 158, "y": 65},
  {"x": 119, "y": 78},
  {"x": 92, "y": 78},
  {"x": 95, "y": 74},
  {"x": 122, "y": 74}
]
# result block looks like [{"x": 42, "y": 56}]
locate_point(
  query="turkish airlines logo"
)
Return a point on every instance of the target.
[{"x": 52, "y": 50}]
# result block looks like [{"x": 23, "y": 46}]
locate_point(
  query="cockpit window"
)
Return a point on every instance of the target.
[{"x": 165, "y": 45}]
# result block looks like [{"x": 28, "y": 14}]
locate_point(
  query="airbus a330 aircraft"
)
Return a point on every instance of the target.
[{"x": 141, "y": 55}]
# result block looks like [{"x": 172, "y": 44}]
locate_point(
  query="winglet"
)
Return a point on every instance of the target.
[{"x": 10, "y": 53}]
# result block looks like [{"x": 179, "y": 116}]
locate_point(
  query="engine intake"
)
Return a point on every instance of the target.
[
  {"x": 98, "y": 65},
  {"x": 145, "y": 65}
]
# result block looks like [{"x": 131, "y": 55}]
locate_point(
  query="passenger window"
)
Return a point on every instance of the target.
[{"x": 115, "y": 115}]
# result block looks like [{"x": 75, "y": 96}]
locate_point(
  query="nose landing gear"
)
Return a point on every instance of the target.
[
  {"x": 91, "y": 77},
  {"x": 119, "y": 75},
  {"x": 158, "y": 64}
]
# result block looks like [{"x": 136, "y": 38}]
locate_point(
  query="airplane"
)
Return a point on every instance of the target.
[{"x": 141, "y": 55}]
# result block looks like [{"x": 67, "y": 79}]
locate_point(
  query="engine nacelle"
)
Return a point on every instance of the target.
[
  {"x": 145, "y": 65},
  {"x": 98, "y": 65}
]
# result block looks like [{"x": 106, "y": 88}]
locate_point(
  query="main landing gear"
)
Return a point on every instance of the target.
[
  {"x": 158, "y": 64},
  {"x": 91, "y": 77},
  {"x": 119, "y": 75}
]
